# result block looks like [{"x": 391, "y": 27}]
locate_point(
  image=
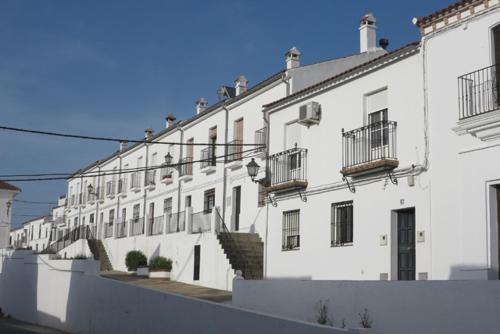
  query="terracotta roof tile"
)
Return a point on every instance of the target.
[{"x": 8, "y": 186}]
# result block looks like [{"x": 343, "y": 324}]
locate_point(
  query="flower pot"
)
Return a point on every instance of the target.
[
  {"x": 159, "y": 274},
  {"x": 142, "y": 271}
]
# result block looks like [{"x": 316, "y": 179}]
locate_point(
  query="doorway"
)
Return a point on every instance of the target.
[
  {"x": 196, "y": 271},
  {"x": 236, "y": 207},
  {"x": 406, "y": 244}
]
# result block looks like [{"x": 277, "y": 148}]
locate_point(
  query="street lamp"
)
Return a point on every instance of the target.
[
  {"x": 168, "y": 159},
  {"x": 253, "y": 169}
]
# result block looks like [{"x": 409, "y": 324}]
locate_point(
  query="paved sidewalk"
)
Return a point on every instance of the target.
[
  {"x": 165, "y": 285},
  {"x": 12, "y": 326}
]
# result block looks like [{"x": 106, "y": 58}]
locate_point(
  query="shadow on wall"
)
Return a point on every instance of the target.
[
  {"x": 188, "y": 258},
  {"x": 472, "y": 272}
]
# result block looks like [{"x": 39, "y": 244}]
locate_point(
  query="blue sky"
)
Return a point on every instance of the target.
[{"x": 114, "y": 68}]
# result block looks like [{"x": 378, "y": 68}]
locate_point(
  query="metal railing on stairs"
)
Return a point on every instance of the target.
[
  {"x": 77, "y": 233},
  {"x": 246, "y": 267}
]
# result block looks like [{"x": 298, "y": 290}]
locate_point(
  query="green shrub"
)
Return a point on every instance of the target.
[
  {"x": 135, "y": 259},
  {"x": 80, "y": 257},
  {"x": 159, "y": 263}
]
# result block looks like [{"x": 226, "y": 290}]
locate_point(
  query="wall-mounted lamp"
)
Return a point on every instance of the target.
[{"x": 253, "y": 171}]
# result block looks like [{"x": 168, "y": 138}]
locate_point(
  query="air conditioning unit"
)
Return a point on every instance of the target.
[{"x": 310, "y": 113}]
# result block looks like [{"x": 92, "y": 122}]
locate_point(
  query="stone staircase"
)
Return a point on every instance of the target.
[
  {"x": 97, "y": 248},
  {"x": 245, "y": 252}
]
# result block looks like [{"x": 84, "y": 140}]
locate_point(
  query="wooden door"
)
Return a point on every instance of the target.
[{"x": 406, "y": 244}]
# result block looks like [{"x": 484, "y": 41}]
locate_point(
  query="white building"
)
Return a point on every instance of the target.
[
  {"x": 7, "y": 194},
  {"x": 370, "y": 171}
]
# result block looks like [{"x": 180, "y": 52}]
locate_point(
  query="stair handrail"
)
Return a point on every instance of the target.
[
  {"x": 77, "y": 233},
  {"x": 246, "y": 265}
]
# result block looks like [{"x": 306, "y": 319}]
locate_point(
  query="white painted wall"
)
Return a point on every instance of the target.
[
  {"x": 395, "y": 307},
  {"x": 70, "y": 297},
  {"x": 6, "y": 206}
]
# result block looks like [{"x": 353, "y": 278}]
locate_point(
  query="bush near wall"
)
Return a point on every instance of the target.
[
  {"x": 160, "y": 263},
  {"x": 135, "y": 259}
]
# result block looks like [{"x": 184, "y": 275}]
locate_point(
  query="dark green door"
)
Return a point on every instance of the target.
[{"x": 406, "y": 244}]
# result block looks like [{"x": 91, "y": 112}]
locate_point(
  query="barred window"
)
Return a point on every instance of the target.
[
  {"x": 341, "y": 224},
  {"x": 291, "y": 231},
  {"x": 209, "y": 201}
]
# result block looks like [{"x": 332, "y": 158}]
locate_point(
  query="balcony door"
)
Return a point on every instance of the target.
[
  {"x": 406, "y": 244},
  {"x": 293, "y": 139},
  {"x": 496, "y": 69},
  {"x": 236, "y": 207}
]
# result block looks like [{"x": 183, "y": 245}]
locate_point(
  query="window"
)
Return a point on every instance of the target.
[
  {"x": 91, "y": 218},
  {"x": 261, "y": 199},
  {"x": 379, "y": 132},
  {"x": 187, "y": 202},
  {"x": 124, "y": 215},
  {"x": 209, "y": 201},
  {"x": 291, "y": 232},
  {"x": 167, "y": 206},
  {"x": 341, "y": 224},
  {"x": 111, "y": 216},
  {"x": 136, "y": 209}
]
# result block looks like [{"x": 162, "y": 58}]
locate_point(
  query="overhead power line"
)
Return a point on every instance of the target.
[
  {"x": 119, "y": 172},
  {"x": 33, "y": 202},
  {"x": 67, "y": 135}
]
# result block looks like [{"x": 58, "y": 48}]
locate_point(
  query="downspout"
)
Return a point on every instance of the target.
[
  {"x": 97, "y": 189},
  {"x": 224, "y": 182},
  {"x": 118, "y": 194},
  {"x": 145, "y": 190},
  {"x": 181, "y": 152},
  {"x": 286, "y": 79}
]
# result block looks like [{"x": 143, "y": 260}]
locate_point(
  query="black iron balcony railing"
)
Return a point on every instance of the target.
[
  {"x": 186, "y": 166},
  {"x": 369, "y": 148},
  {"x": 479, "y": 92},
  {"x": 208, "y": 157},
  {"x": 288, "y": 168},
  {"x": 151, "y": 177},
  {"x": 260, "y": 139},
  {"x": 135, "y": 180},
  {"x": 234, "y": 150}
]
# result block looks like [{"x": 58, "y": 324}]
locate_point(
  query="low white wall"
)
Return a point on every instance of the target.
[
  {"x": 79, "y": 247},
  {"x": 395, "y": 307},
  {"x": 34, "y": 289}
]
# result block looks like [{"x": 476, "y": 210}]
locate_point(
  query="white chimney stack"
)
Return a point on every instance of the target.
[
  {"x": 201, "y": 105},
  {"x": 368, "y": 33},
  {"x": 123, "y": 145},
  {"x": 240, "y": 84},
  {"x": 170, "y": 120},
  {"x": 292, "y": 58},
  {"x": 148, "y": 133}
]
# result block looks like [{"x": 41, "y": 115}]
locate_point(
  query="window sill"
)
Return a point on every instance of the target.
[
  {"x": 290, "y": 249},
  {"x": 342, "y": 245}
]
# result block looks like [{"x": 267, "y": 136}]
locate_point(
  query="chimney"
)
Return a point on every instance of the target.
[
  {"x": 201, "y": 104},
  {"x": 170, "y": 120},
  {"x": 148, "y": 133},
  {"x": 240, "y": 84},
  {"x": 123, "y": 145},
  {"x": 368, "y": 33},
  {"x": 292, "y": 58}
]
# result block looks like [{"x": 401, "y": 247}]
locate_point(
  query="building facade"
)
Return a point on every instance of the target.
[
  {"x": 7, "y": 194},
  {"x": 369, "y": 168}
]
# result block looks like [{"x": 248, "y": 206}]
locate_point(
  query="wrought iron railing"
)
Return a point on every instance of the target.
[
  {"x": 135, "y": 180},
  {"x": 260, "y": 139},
  {"x": 201, "y": 222},
  {"x": 166, "y": 173},
  {"x": 136, "y": 226},
  {"x": 478, "y": 92},
  {"x": 376, "y": 141},
  {"x": 121, "y": 229},
  {"x": 108, "y": 230},
  {"x": 186, "y": 166},
  {"x": 110, "y": 188},
  {"x": 156, "y": 225},
  {"x": 176, "y": 222},
  {"x": 234, "y": 150},
  {"x": 287, "y": 166},
  {"x": 151, "y": 177},
  {"x": 208, "y": 157},
  {"x": 68, "y": 237},
  {"x": 122, "y": 186}
]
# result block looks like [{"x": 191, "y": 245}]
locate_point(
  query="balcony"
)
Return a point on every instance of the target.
[
  {"x": 136, "y": 226},
  {"x": 288, "y": 170},
  {"x": 369, "y": 149},
  {"x": 261, "y": 139},
  {"x": 111, "y": 189},
  {"x": 186, "y": 169},
  {"x": 478, "y": 103},
  {"x": 208, "y": 160},
  {"x": 122, "y": 187},
  {"x": 150, "y": 179},
  {"x": 108, "y": 230},
  {"x": 234, "y": 154},
  {"x": 135, "y": 181},
  {"x": 121, "y": 229},
  {"x": 167, "y": 175}
]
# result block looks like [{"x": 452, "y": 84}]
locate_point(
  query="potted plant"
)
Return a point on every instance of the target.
[
  {"x": 160, "y": 267},
  {"x": 137, "y": 262}
]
